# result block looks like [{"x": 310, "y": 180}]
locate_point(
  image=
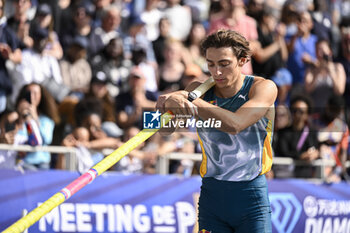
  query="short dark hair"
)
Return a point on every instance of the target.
[
  {"x": 229, "y": 39},
  {"x": 303, "y": 98}
]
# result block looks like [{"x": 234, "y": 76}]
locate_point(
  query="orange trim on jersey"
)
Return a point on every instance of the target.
[
  {"x": 203, "y": 167},
  {"x": 267, "y": 150}
]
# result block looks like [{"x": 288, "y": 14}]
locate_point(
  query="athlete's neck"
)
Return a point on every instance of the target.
[{"x": 231, "y": 89}]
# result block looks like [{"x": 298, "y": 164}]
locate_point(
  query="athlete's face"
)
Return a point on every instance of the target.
[{"x": 223, "y": 66}]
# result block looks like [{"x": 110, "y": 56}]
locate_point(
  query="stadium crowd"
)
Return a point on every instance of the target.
[{"x": 80, "y": 73}]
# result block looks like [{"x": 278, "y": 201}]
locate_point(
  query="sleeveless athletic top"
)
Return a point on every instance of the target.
[{"x": 239, "y": 157}]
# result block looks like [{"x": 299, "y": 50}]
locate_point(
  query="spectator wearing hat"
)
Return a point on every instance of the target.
[
  {"x": 80, "y": 25},
  {"x": 9, "y": 50},
  {"x": 43, "y": 19},
  {"x": 130, "y": 104}
]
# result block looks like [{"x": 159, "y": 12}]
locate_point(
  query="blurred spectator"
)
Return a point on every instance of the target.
[
  {"x": 9, "y": 51},
  {"x": 147, "y": 69},
  {"x": 75, "y": 69},
  {"x": 344, "y": 58},
  {"x": 270, "y": 60},
  {"x": 199, "y": 9},
  {"x": 192, "y": 72},
  {"x": 322, "y": 21},
  {"x": 62, "y": 13},
  {"x": 89, "y": 114},
  {"x": 112, "y": 62},
  {"x": 301, "y": 48},
  {"x": 180, "y": 19},
  {"x": 98, "y": 89},
  {"x": 101, "y": 6},
  {"x": 185, "y": 166},
  {"x": 151, "y": 16},
  {"x": 340, "y": 10},
  {"x": 80, "y": 26},
  {"x": 130, "y": 104},
  {"x": 283, "y": 119},
  {"x": 44, "y": 19},
  {"x": 192, "y": 45},
  {"x": 36, "y": 107},
  {"x": 20, "y": 22},
  {"x": 255, "y": 9},
  {"x": 9, "y": 126},
  {"x": 78, "y": 138},
  {"x": 299, "y": 140},
  {"x": 324, "y": 79},
  {"x": 217, "y": 10},
  {"x": 39, "y": 67},
  {"x": 108, "y": 30},
  {"x": 159, "y": 43},
  {"x": 137, "y": 39},
  {"x": 289, "y": 17},
  {"x": 132, "y": 163},
  {"x": 333, "y": 137},
  {"x": 170, "y": 72},
  {"x": 235, "y": 18}
]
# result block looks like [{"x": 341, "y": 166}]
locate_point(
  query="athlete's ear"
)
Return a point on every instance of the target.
[{"x": 242, "y": 61}]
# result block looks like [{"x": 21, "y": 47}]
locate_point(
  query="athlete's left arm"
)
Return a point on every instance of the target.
[{"x": 262, "y": 96}]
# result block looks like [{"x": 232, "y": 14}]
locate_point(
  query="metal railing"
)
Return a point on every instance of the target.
[
  {"x": 70, "y": 152},
  {"x": 163, "y": 161}
]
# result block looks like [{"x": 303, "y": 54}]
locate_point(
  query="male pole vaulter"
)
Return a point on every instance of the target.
[{"x": 233, "y": 196}]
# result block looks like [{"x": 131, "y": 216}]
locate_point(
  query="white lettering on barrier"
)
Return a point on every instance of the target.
[
  {"x": 123, "y": 218},
  {"x": 141, "y": 221},
  {"x": 52, "y": 218},
  {"x": 110, "y": 218},
  {"x": 99, "y": 210},
  {"x": 186, "y": 215},
  {"x": 327, "y": 225},
  {"x": 84, "y": 217},
  {"x": 68, "y": 218},
  {"x": 326, "y": 216}
]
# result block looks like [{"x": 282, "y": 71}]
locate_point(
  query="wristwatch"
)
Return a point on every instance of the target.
[{"x": 192, "y": 96}]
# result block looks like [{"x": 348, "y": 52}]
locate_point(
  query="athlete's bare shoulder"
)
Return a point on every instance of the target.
[
  {"x": 265, "y": 86},
  {"x": 266, "y": 91}
]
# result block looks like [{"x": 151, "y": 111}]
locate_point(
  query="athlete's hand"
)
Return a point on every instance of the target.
[
  {"x": 178, "y": 104},
  {"x": 161, "y": 102}
]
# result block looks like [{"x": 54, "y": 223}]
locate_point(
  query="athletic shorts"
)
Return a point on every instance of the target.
[{"x": 234, "y": 207}]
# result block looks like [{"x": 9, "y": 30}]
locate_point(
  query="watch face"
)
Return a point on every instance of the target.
[{"x": 192, "y": 96}]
